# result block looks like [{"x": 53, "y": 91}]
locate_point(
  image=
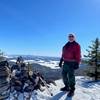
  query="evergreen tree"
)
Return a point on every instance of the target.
[{"x": 93, "y": 57}]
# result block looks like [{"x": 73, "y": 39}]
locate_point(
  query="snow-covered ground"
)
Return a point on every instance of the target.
[{"x": 84, "y": 91}]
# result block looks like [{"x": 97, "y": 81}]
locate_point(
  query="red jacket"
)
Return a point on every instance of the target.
[{"x": 71, "y": 52}]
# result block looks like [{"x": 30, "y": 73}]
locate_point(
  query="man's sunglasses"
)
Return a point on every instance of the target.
[{"x": 71, "y": 36}]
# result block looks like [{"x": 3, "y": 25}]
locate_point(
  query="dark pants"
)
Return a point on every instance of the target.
[{"x": 68, "y": 75}]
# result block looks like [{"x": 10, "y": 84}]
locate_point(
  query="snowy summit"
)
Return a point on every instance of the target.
[{"x": 85, "y": 90}]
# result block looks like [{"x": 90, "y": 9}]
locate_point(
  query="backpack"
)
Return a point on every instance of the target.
[{"x": 4, "y": 84}]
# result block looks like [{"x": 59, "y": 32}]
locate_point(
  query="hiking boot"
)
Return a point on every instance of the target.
[
  {"x": 64, "y": 89},
  {"x": 71, "y": 93}
]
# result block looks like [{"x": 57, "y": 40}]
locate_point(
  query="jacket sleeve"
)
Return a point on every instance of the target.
[
  {"x": 78, "y": 53},
  {"x": 61, "y": 59},
  {"x": 62, "y": 52}
]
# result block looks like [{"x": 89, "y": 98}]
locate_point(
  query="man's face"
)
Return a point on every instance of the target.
[{"x": 71, "y": 38}]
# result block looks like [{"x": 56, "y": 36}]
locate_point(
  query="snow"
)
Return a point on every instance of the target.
[
  {"x": 30, "y": 61},
  {"x": 6, "y": 56},
  {"x": 84, "y": 91},
  {"x": 13, "y": 60},
  {"x": 51, "y": 64}
]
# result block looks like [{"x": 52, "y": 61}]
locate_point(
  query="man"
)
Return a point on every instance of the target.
[{"x": 71, "y": 57}]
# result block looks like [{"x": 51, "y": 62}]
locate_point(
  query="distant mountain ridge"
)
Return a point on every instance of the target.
[{"x": 30, "y": 57}]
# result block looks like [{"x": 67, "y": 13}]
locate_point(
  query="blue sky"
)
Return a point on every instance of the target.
[{"x": 40, "y": 27}]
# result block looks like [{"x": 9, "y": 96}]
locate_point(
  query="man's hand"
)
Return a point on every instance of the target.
[
  {"x": 60, "y": 64},
  {"x": 76, "y": 65}
]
